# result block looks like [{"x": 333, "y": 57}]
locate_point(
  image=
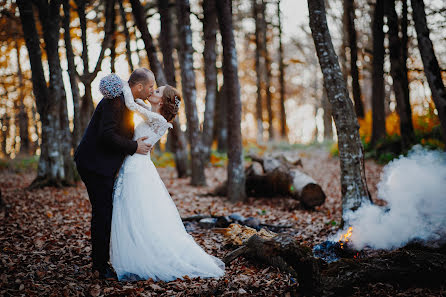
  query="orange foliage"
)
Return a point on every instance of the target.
[{"x": 422, "y": 123}]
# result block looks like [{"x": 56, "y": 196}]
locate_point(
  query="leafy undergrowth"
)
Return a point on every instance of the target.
[{"x": 44, "y": 237}]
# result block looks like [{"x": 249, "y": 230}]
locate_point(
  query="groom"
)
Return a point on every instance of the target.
[{"x": 106, "y": 142}]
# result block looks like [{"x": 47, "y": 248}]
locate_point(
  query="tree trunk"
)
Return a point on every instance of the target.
[
  {"x": 25, "y": 145},
  {"x": 236, "y": 175},
  {"x": 125, "y": 29},
  {"x": 165, "y": 40},
  {"x": 328, "y": 128},
  {"x": 140, "y": 21},
  {"x": 222, "y": 120},
  {"x": 49, "y": 15},
  {"x": 259, "y": 106},
  {"x": 189, "y": 92},
  {"x": 431, "y": 67},
  {"x": 77, "y": 131},
  {"x": 399, "y": 78},
  {"x": 283, "y": 125},
  {"x": 356, "y": 89},
  {"x": 353, "y": 182},
  {"x": 378, "y": 94},
  {"x": 113, "y": 40},
  {"x": 87, "y": 77},
  {"x": 175, "y": 136},
  {"x": 267, "y": 60},
  {"x": 51, "y": 167},
  {"x": 210, "y": 73}
]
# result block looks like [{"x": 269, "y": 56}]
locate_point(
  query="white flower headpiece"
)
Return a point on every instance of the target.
[{"x": 111, "y": 86}]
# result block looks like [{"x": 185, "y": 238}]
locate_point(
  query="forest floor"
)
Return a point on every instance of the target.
[{"x": 44, "y": 237}]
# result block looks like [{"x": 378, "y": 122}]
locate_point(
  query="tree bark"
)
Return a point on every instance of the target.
[
  {"x": 259, "y": 106},
  {"x": 267, "y": 61},
  {"x": 165, "y": 40},
  {"x": 236, "y": 175},
  {"x": 23, "y": 121},
  {"x": 222, "y": 120},
  {"x": 283, "y": 125},
  {"x": 113, "y": 39},
  {"x": 53, "y": 168},
  {"x": 328, "y": 128},
  {"x": 399, "y": 77},
  {"x": 189, "y": 92},
  {"x": 356, "y": 88},
  {"x": 210, "y": 73},
  {"x": 140, "y": 21},
  {"x": 77, "y": 130},
  {"x": 378, "y": 94},
  {"x": 125, "y": 30},
  {"x": 353, "y": 182},
  {"x": 431, "y": 67}
]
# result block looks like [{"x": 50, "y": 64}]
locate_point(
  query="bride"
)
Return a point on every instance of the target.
[{"x": 148, "y": 238}]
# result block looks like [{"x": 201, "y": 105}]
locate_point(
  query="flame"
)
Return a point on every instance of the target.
[{"x": 345, "y": 237}]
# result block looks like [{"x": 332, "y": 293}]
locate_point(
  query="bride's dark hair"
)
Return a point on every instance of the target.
[{"x": 171, "y": 103}]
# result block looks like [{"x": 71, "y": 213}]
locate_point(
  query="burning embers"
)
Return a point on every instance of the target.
[
  {"x": 345, "y": 237},
  {"x": 331, "y": 251}
]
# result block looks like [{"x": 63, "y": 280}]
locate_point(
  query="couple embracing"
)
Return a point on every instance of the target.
[{"x": 135, "y": 224}]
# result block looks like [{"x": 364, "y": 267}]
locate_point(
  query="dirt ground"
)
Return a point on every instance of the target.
[{"x": 44, "y": 237}]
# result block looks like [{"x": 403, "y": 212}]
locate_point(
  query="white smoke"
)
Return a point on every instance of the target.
[{"x": 415, "y": 190}]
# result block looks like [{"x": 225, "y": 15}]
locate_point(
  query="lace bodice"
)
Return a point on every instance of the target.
[{"x": 154, "y": 125}]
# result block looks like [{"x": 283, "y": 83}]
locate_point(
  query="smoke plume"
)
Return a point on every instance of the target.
[{"x": 415, "y": 190}]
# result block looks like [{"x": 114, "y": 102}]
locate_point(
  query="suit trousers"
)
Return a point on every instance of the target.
[{"x": 100, "y": 192}]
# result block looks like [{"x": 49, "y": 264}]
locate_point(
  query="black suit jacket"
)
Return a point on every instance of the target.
[{"x": 107, "y": 139}]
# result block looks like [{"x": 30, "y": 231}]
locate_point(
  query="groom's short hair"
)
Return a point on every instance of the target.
[{"x": 140, "y": 75}]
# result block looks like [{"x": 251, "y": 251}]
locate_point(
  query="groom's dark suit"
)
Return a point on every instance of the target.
[{"x": 106, "y": 142}]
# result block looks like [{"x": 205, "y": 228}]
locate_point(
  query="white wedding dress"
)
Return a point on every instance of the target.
[{"x": 148, "y": 238}]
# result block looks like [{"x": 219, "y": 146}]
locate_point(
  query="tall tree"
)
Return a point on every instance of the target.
[
  {"x": 378, "y": 94},
  {"x": 87, "y": 76},
  {"x": 113, "y": 39},
  {"x": 55, "y": 165},
  {"x": 77, "y": 129},
  {"x": 236, "y": 175},
  {"x": 140, "y": 20},
  {"x": 354, "y": 72},
  {"x": 258, "y": 41},
  {"x": 353, "y": 182},
  {"x": 175, "y": 136},
  {"x": 267, "y": 62},
  {"x": 399, "y": 77},
  {"x": 166, "y": 41},
  {"x": 210, "y": 72},
  {"x": 126, "y": 32},
  {"x": 23, "y": 121},
  {"x": 283, "y": 126},
  {"x": 430, "y": 62},
  {"x": 189, "y": 92}
]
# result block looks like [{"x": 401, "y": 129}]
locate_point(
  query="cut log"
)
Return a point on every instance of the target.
[
  {"x": 284, "y": 252},
  {"x": 273, "y": 176},
  {"x": 406, "y": 267}
]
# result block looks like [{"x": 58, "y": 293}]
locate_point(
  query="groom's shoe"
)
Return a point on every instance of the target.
[{"x": 106, "y": 272}]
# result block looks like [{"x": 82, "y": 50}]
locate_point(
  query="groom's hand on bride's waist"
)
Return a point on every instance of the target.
[{"x": 143, "y": 148}]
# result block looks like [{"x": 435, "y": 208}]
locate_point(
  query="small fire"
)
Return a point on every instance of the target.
[{"x": 345, "y": 237}]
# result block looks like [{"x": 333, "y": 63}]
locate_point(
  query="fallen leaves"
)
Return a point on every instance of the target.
[{"x": 45, "y": 249}]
